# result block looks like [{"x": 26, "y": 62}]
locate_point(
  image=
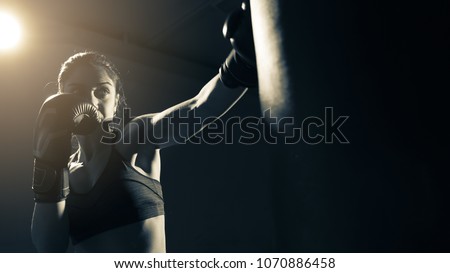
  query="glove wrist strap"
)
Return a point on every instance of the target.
[{"x": 50, "y": 184}]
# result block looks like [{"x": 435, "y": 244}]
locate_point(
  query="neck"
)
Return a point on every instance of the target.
[{"x": 91, "y": 146}]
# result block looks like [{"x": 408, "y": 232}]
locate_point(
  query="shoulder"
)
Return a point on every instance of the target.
[
  {"x": 136, "y": 138},
  {"x": 75, "y": 166},
  {"x": 139, "y": 130},
  {"x": 138, "y": 127}
]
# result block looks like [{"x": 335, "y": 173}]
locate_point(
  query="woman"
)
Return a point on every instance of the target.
[{"x": 115, "y": 202}]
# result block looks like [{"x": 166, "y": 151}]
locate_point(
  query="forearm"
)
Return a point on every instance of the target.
[
  {"x": 50, "y": 227},
  {"x": 215, "y": 98},
  {"x": 58, "y": 119}
]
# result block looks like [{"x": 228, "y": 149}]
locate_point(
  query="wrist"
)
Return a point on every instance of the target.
[
  {"x": 235, "y": 72},
  {"x": 50, "y": 184}
]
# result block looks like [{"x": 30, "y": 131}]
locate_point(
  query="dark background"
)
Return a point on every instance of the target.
[{"x": 384, "y": 64}]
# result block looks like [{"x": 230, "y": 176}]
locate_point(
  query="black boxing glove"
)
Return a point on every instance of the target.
[
  {"x": 239, "y": 69},
  {"x": 59, "y": 117}
]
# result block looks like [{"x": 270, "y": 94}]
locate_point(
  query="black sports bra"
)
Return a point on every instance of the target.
[{"x": 121, "y": 196}]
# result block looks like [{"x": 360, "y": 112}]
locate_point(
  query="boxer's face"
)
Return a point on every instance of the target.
[{"x": 95, "y": 86}]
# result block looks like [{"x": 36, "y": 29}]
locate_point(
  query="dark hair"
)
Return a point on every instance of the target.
[{"x": 95, "y": 59}]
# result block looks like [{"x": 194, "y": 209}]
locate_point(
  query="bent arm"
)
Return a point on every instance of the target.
[
  {"x": 189, "y": 117},
  {"x": 50, "y": 227}
]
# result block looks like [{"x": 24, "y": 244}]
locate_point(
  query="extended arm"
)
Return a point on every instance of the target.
[
  {"x": 189, "y": 117},
  {"x": 186, "y": 119}
]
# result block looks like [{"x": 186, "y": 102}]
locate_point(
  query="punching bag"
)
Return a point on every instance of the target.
[{"x": 353, "y": 91}]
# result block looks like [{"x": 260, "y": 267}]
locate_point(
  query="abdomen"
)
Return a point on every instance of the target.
[{"x": 143, "y": 236}]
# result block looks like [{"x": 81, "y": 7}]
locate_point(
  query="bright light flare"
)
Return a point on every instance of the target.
[{"x": 10, "y": 31}]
